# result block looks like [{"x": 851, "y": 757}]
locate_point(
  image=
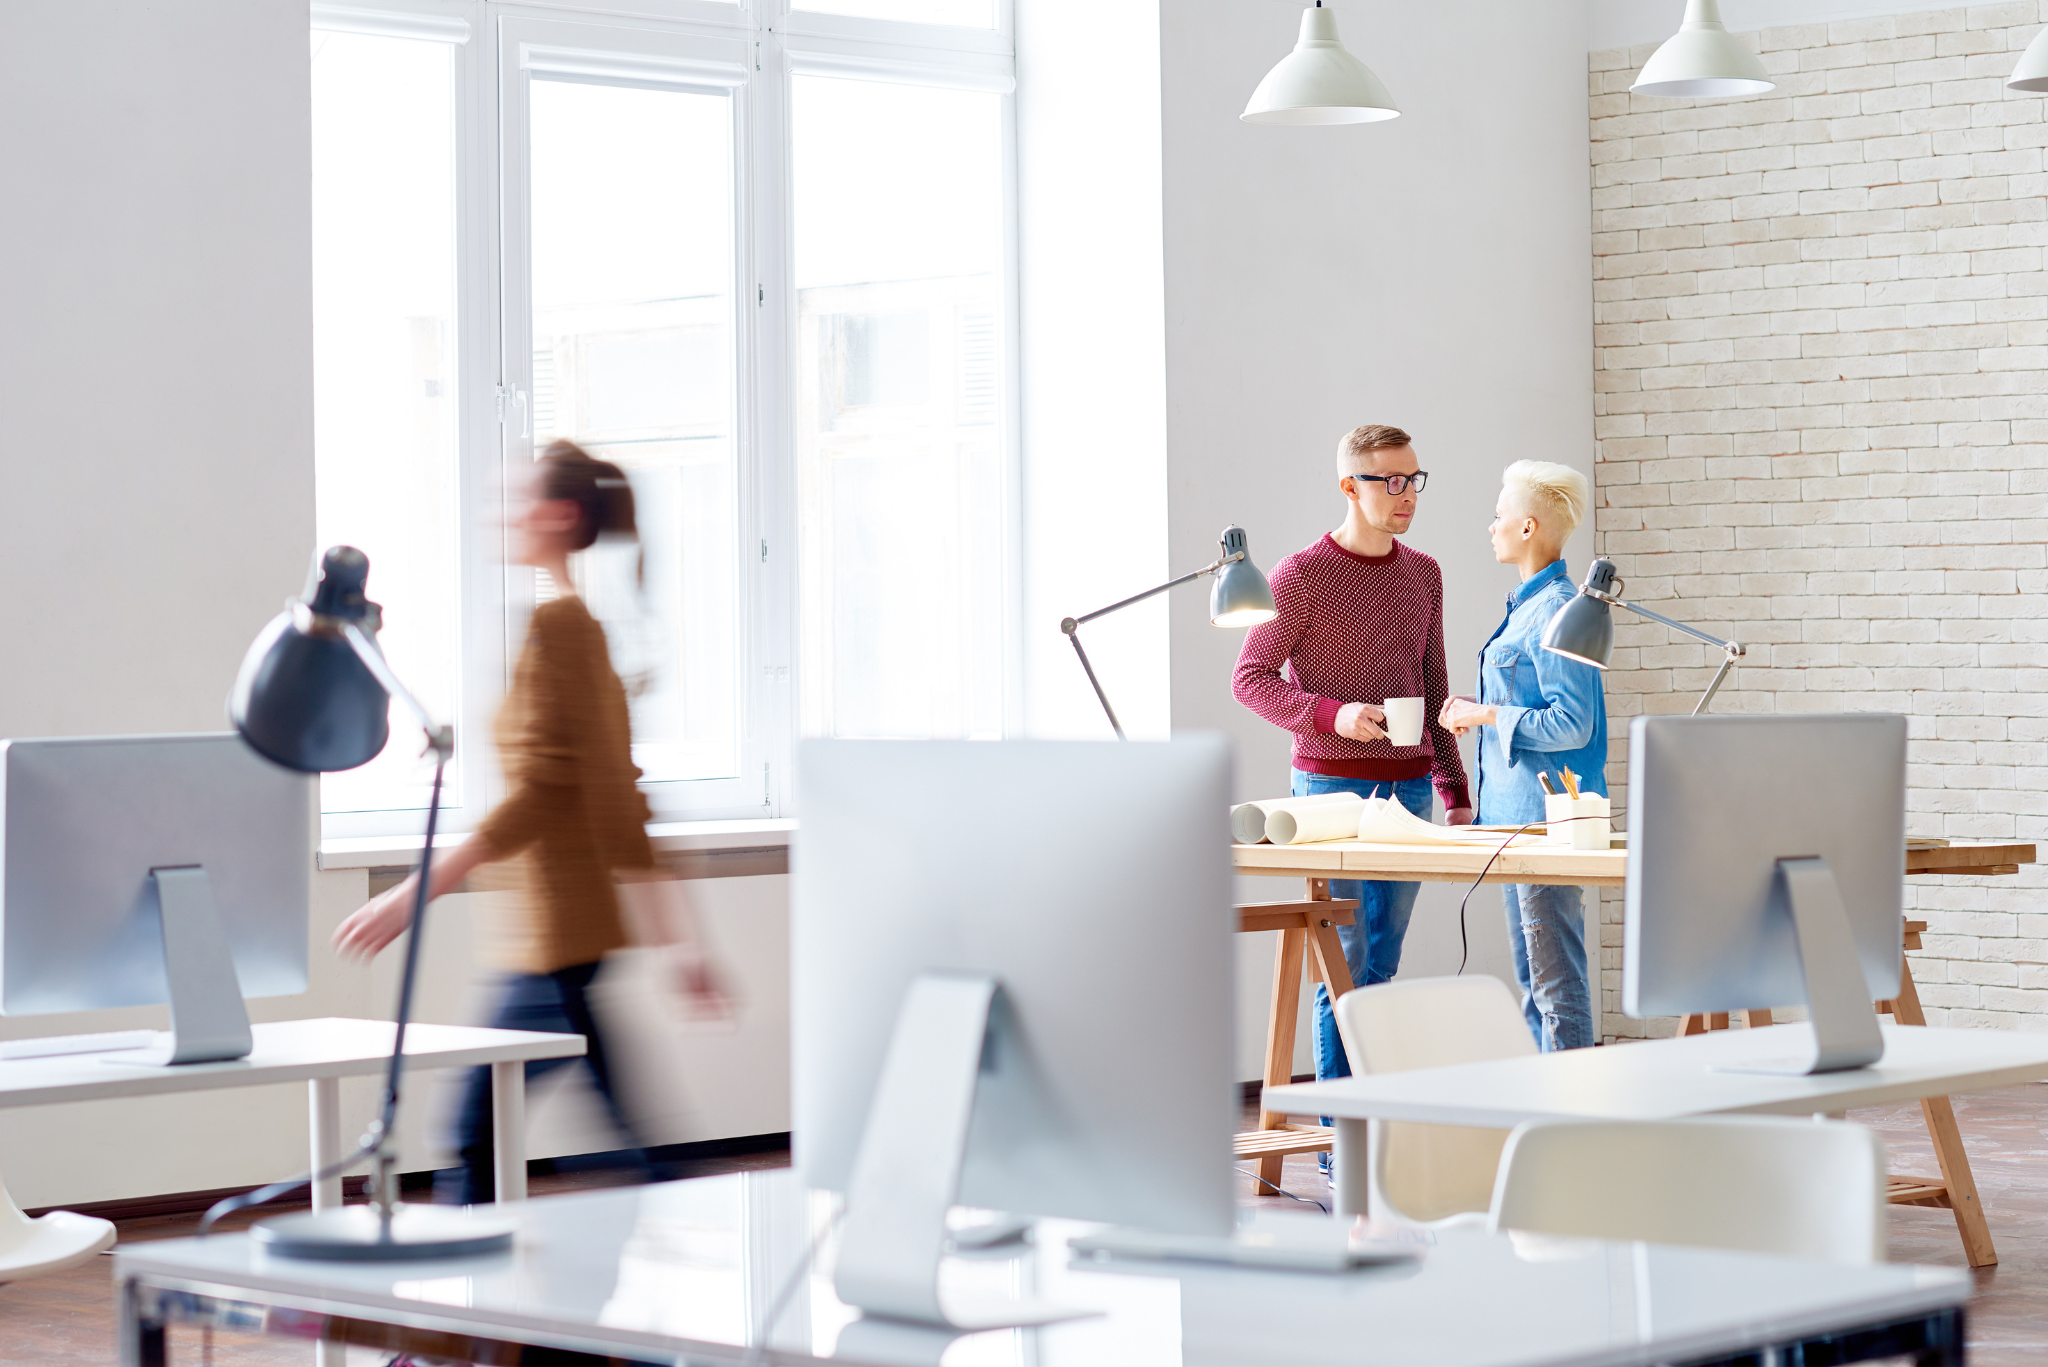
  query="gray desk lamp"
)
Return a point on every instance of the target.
[
  {"x": 1240, "y": 597},
  {"x": 1583, "y": 629},
  {"x": 314, "y": 695}
]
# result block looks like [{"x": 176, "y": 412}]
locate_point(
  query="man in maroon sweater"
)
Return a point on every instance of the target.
[{"x": 1361, "y": 620}]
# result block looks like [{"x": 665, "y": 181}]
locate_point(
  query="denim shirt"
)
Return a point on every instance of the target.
[{"x": 1552, "y": 714}]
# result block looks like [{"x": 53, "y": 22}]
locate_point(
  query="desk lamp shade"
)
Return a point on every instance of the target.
[
  {"x": 304, "y": 698},
  {"x": 1583, "y": 629},
  {"x": 1240, "y": 597},
  {"x": 1703, "y": 58},
  {"x": 1319, "y": 82},
  {"x": 2032, "y": 72}
]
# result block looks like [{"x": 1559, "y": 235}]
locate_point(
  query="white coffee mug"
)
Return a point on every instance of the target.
[{"x": 1404, "y": 721}]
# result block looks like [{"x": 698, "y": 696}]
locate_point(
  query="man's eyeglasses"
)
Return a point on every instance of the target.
[{"x": 1398, "y": 485}]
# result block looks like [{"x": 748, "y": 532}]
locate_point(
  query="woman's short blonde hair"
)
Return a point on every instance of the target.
[{"x": 1556, "y": 494}]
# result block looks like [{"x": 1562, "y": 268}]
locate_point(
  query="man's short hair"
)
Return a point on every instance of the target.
[
  {"x": 1557, "y": 494},
  {"x": 1354, "y": 453}
]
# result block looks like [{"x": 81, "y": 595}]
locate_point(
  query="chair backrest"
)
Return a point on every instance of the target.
[
  {"x": 1430, "y": 1172},
  {"x": 1764, "y": 1184},
  {"x": 16, "y": 1229},
  {"x": 1432, "y": 1022}
]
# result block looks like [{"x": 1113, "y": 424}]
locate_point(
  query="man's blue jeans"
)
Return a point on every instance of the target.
[
  {"x": 1372, "y": 947},
  {"x": 1547, "y": 932}
]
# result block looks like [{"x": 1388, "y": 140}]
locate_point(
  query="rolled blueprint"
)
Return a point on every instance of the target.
[
  {"x": 1324, "y": 821},
  {"x": 1248, "y": 819}
]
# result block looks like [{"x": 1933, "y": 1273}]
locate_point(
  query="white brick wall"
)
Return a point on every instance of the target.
[{"x": 1822, "y": 420}]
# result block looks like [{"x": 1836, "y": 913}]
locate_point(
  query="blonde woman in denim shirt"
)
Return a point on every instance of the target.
[{"x": 1538, "y": 713}]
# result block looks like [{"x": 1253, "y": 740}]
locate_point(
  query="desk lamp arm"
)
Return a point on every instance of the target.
[
  {"x": 1732, "y": 650},
  {"x": 376, "y": 1142},
  {"x": 440, "y": 738},
  {"x": 1072, "y": 625}
]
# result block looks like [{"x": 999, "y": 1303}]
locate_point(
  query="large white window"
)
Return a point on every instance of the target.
[
  {"x": 759, "y": 256},
  {"x": 385, "y": 437},
  {"x": 632, "y": 298},
  {"x": 900, "y": 470}
]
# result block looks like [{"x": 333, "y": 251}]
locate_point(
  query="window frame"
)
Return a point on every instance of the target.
[
  {"x": 698, "y": 59},
  {"x": 481, "y": 661},
  {"x": 688, "y": 45}
]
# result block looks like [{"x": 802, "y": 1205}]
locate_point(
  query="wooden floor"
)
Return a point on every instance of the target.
[{"x": 66, "y": 1320}]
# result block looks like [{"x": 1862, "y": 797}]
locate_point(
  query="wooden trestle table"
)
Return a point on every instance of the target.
[{"x": 1308, "y": 938}]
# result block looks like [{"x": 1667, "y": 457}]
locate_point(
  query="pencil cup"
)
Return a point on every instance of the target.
[{"x": 1580, "y": 822}]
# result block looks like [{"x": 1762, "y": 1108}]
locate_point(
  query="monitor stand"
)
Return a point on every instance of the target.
[
  {"x": 1838, "y": 1001},
  {"x": 907, "y": 1172},
  {"x": 209, "y": 1023}
]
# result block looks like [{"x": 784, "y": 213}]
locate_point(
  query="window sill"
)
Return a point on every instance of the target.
[{"x": 736, "y": 847}]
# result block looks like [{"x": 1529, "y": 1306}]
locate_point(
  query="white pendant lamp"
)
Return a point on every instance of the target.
[
  {"x": 1319, "y": 82},
  {"x": 1703, "y": 58},
  {"x": 2032, "y": 73}
]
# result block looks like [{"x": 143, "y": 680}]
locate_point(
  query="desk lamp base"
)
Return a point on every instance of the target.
[{"x": 360, "y": 1234}]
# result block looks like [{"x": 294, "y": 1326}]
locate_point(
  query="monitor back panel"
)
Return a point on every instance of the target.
[
  {"x": 85, "y": 820},
  {"x": 1093, "y": 880},
  {"x": 1714, "y": 803}
]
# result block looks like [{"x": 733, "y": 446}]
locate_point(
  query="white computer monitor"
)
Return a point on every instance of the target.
[
  {"x": 1766, "y": 868},
  {"x": 137, "y": 870},
  {"x": 1092, "y": 881}
]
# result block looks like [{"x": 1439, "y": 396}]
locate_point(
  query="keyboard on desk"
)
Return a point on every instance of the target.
[
  {"x": 1288, "y": 1240},
  {"x": 51, "y": 1046}
]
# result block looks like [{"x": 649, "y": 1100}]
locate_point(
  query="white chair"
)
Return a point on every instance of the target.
[
  {"x": 1416, "y": 1173},
  {"x": 29, "y": 1248},
  {"x": 1764, "y": 1184}
]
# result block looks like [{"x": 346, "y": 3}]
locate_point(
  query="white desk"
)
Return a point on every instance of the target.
[
  {"x": 1660, "y": 1080},
  {"x": 683, "y": 1270},
  {"x": 320, "y": 1053}
]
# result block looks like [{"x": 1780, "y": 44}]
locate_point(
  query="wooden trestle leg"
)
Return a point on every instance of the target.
[
  {"x": 1308, "y": 938},
  {"x": 1956, "y": 1189},
  {"x": 1286, "y": 1009}
]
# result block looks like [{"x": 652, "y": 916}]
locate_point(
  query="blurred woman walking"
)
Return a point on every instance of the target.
[{"x": 573, "y": 819}]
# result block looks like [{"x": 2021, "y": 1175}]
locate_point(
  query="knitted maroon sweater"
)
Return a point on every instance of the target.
[{"x": 1354, "y": 628}]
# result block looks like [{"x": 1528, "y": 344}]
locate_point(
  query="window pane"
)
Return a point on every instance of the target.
[
  {"x": 633, "y": 359},
  {"x": 961, "y": 13},
  {"x": 899, "y": 253},
  {"x": 384, "y": 370}
]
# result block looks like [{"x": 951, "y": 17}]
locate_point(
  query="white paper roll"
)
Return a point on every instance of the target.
[
  {"x": 1325, "y": 821},
  {"x": 1248, "y": 819}
]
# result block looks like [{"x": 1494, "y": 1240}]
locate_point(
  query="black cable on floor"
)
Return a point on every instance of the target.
[{"x": 1282, "y": 1190}]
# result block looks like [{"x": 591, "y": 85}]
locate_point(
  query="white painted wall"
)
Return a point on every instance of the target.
[
  {"x": 156, "y": 488},
  {"x": 1432, "y": 272},
  {"x": 1093, "y": 365},
  {"x": 156, "y": 366}
]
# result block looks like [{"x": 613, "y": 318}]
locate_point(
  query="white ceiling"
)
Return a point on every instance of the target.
[{"x": 1625, "y": 23}]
